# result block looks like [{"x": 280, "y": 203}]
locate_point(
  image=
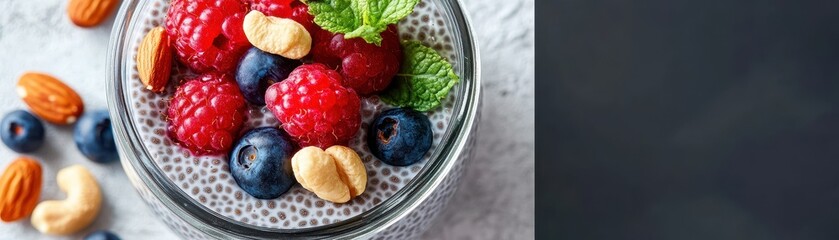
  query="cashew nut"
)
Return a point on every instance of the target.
[
  {"x": 284, "y": 37},
  {"x": 350, "y": 168},
  {"x": 335, "y": 175},
  {"x": 316, "y": 171},
  {"x": 74, "y": 213}
]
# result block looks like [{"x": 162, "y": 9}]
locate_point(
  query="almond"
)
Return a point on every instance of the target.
[
  {"x": 154, "y": 60},
  {"x": 49, "y": 98},
  {"x": 89, "y": 13},
  {"x": 20, "y": 188}
]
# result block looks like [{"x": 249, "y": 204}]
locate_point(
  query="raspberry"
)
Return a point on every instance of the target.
[
  {"x": 208, "y": 34},
  {"x": 206, "y": 113},
  {"x": 275, "y": 8},
  {"x": 292, "y": 9},
  {"x": 366, "y": 68},
  {"x": 300, "y": 13},
  {"x": 314, "y": 108}
]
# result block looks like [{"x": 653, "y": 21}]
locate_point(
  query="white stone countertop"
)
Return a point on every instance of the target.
[{"x": 495, "y": 199}]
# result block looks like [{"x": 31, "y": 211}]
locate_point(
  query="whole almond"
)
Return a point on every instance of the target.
[
  {"x": 154, "y": 60},
  {"x": 20, "y": 188},
  {"x": 49, "y": 98},
  {"x": 89, "y": 13}
]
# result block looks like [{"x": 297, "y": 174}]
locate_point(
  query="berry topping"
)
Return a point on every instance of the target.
[
  {"x": 258, "y": 70},
  {"x": 207, "y": 34},
  {"x": 21, "y": 131},
  {"x": 261, "y": 163},
  {"x": 365, "y": 67},
  {"x": 400, "y": 136},
  {"x": 300, "y": 13},
  {"x": 275, "y": 8},
  {"x": 293, "y": 9},
  {"x": 101, "y": 235},
  {"x": 206, "y": 113},
  {"x": 95, "y": 138},
  {"x": 314, "y": 108}
]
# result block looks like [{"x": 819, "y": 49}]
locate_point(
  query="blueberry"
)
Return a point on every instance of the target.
[
  {"x": 257, "y": 70},
  {"x": 400, "y": 136},
  {"x": 101, "y": 235},
  {"x": 95, "y": 138},
  {"x": 261, "y": 163},
  {"x": 22, "y": 131}
]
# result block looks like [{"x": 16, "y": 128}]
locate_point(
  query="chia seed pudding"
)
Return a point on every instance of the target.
[{"x": 208, "y": 181}]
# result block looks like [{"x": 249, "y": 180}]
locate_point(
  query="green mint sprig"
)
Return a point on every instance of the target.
[
  {"x": 424, "y": 79},
  {"x": 359, "y": 18}
]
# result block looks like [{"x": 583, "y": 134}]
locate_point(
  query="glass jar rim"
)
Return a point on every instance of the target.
[{"x": 364, "y": 224}]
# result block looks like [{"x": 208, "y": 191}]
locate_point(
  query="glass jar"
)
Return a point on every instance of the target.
[{"x": 441, "y": 24}]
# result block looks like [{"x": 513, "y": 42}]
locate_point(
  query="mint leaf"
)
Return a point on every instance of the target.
[
  {"x": 424, "y": 79},
  {"x": 360, "y": 18},
  {"x": 335, "y": 15}
]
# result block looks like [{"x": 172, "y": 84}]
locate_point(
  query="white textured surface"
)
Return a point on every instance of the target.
[
  {"x": 495, "y": 200},
  {"x": 37, "y": 36}
]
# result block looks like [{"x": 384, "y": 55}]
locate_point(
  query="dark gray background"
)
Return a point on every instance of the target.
[{"x": 675, "y": 119}]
